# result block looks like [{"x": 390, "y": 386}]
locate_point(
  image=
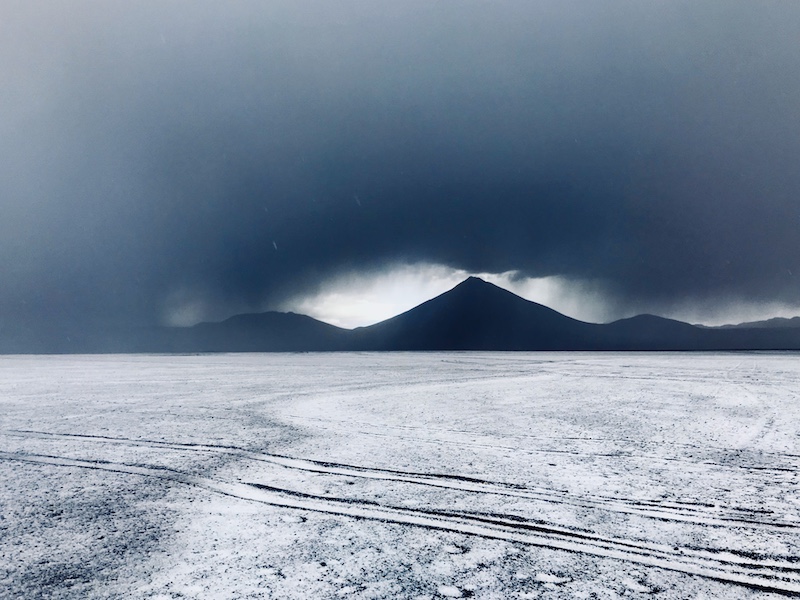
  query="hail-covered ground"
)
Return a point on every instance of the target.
[{"x": 427, "y": 475}]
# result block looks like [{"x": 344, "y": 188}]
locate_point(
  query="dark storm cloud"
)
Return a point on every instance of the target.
[{"x": 243, "y": 150}]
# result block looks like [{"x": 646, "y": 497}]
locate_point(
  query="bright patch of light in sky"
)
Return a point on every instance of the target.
[{"x": 357, "y": 299}]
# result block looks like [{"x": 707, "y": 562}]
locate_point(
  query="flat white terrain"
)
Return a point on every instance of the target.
[{"x": 429, "y": 475}]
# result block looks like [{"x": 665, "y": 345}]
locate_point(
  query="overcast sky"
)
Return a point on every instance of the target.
[{"x": 168, "y": 161}]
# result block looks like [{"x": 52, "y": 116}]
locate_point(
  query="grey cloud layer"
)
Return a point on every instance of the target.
[{"x": 246, "y": 149}]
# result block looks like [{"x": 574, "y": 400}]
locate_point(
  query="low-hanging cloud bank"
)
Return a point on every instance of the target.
[{"x": 229, "y": 156}]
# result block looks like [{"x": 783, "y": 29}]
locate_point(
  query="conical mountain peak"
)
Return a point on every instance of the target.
[
  {"x": 473, "y": 281},
  {"x": 476, "y": 315},
  {"x": 476, "y": 286}
]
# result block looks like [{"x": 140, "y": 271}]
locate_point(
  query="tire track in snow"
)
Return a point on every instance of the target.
[
  {"x": 768, "y": 575},
  {"x": 698, "y": 514}
]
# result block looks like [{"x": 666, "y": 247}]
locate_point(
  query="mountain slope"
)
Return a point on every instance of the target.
[
  {"x": 260, "y": 332},
  {"x": 649, "y": 332}
]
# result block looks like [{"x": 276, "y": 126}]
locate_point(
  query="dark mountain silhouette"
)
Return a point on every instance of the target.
[
  {"x": 261, "y": 332},
  {"x": 775, "y": 323},
  {"x": 474, "y": 315},
  {"x": 649, "y": 332}
]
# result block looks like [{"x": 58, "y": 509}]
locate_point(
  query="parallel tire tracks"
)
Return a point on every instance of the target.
[
  {"x": 767, "y": 575},
  {"x": 697, "y": 514}
]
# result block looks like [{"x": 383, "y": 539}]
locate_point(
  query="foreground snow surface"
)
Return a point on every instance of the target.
[{"x": 429, "y": 475}]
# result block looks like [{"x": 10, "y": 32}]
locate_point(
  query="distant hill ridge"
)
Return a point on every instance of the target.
[
  {"x": 774, "y": 323},
  {"x": 474, "y": 315}
]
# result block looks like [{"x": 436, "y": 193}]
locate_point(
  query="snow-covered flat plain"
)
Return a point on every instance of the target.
[{"x": 429, "y": 475}]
